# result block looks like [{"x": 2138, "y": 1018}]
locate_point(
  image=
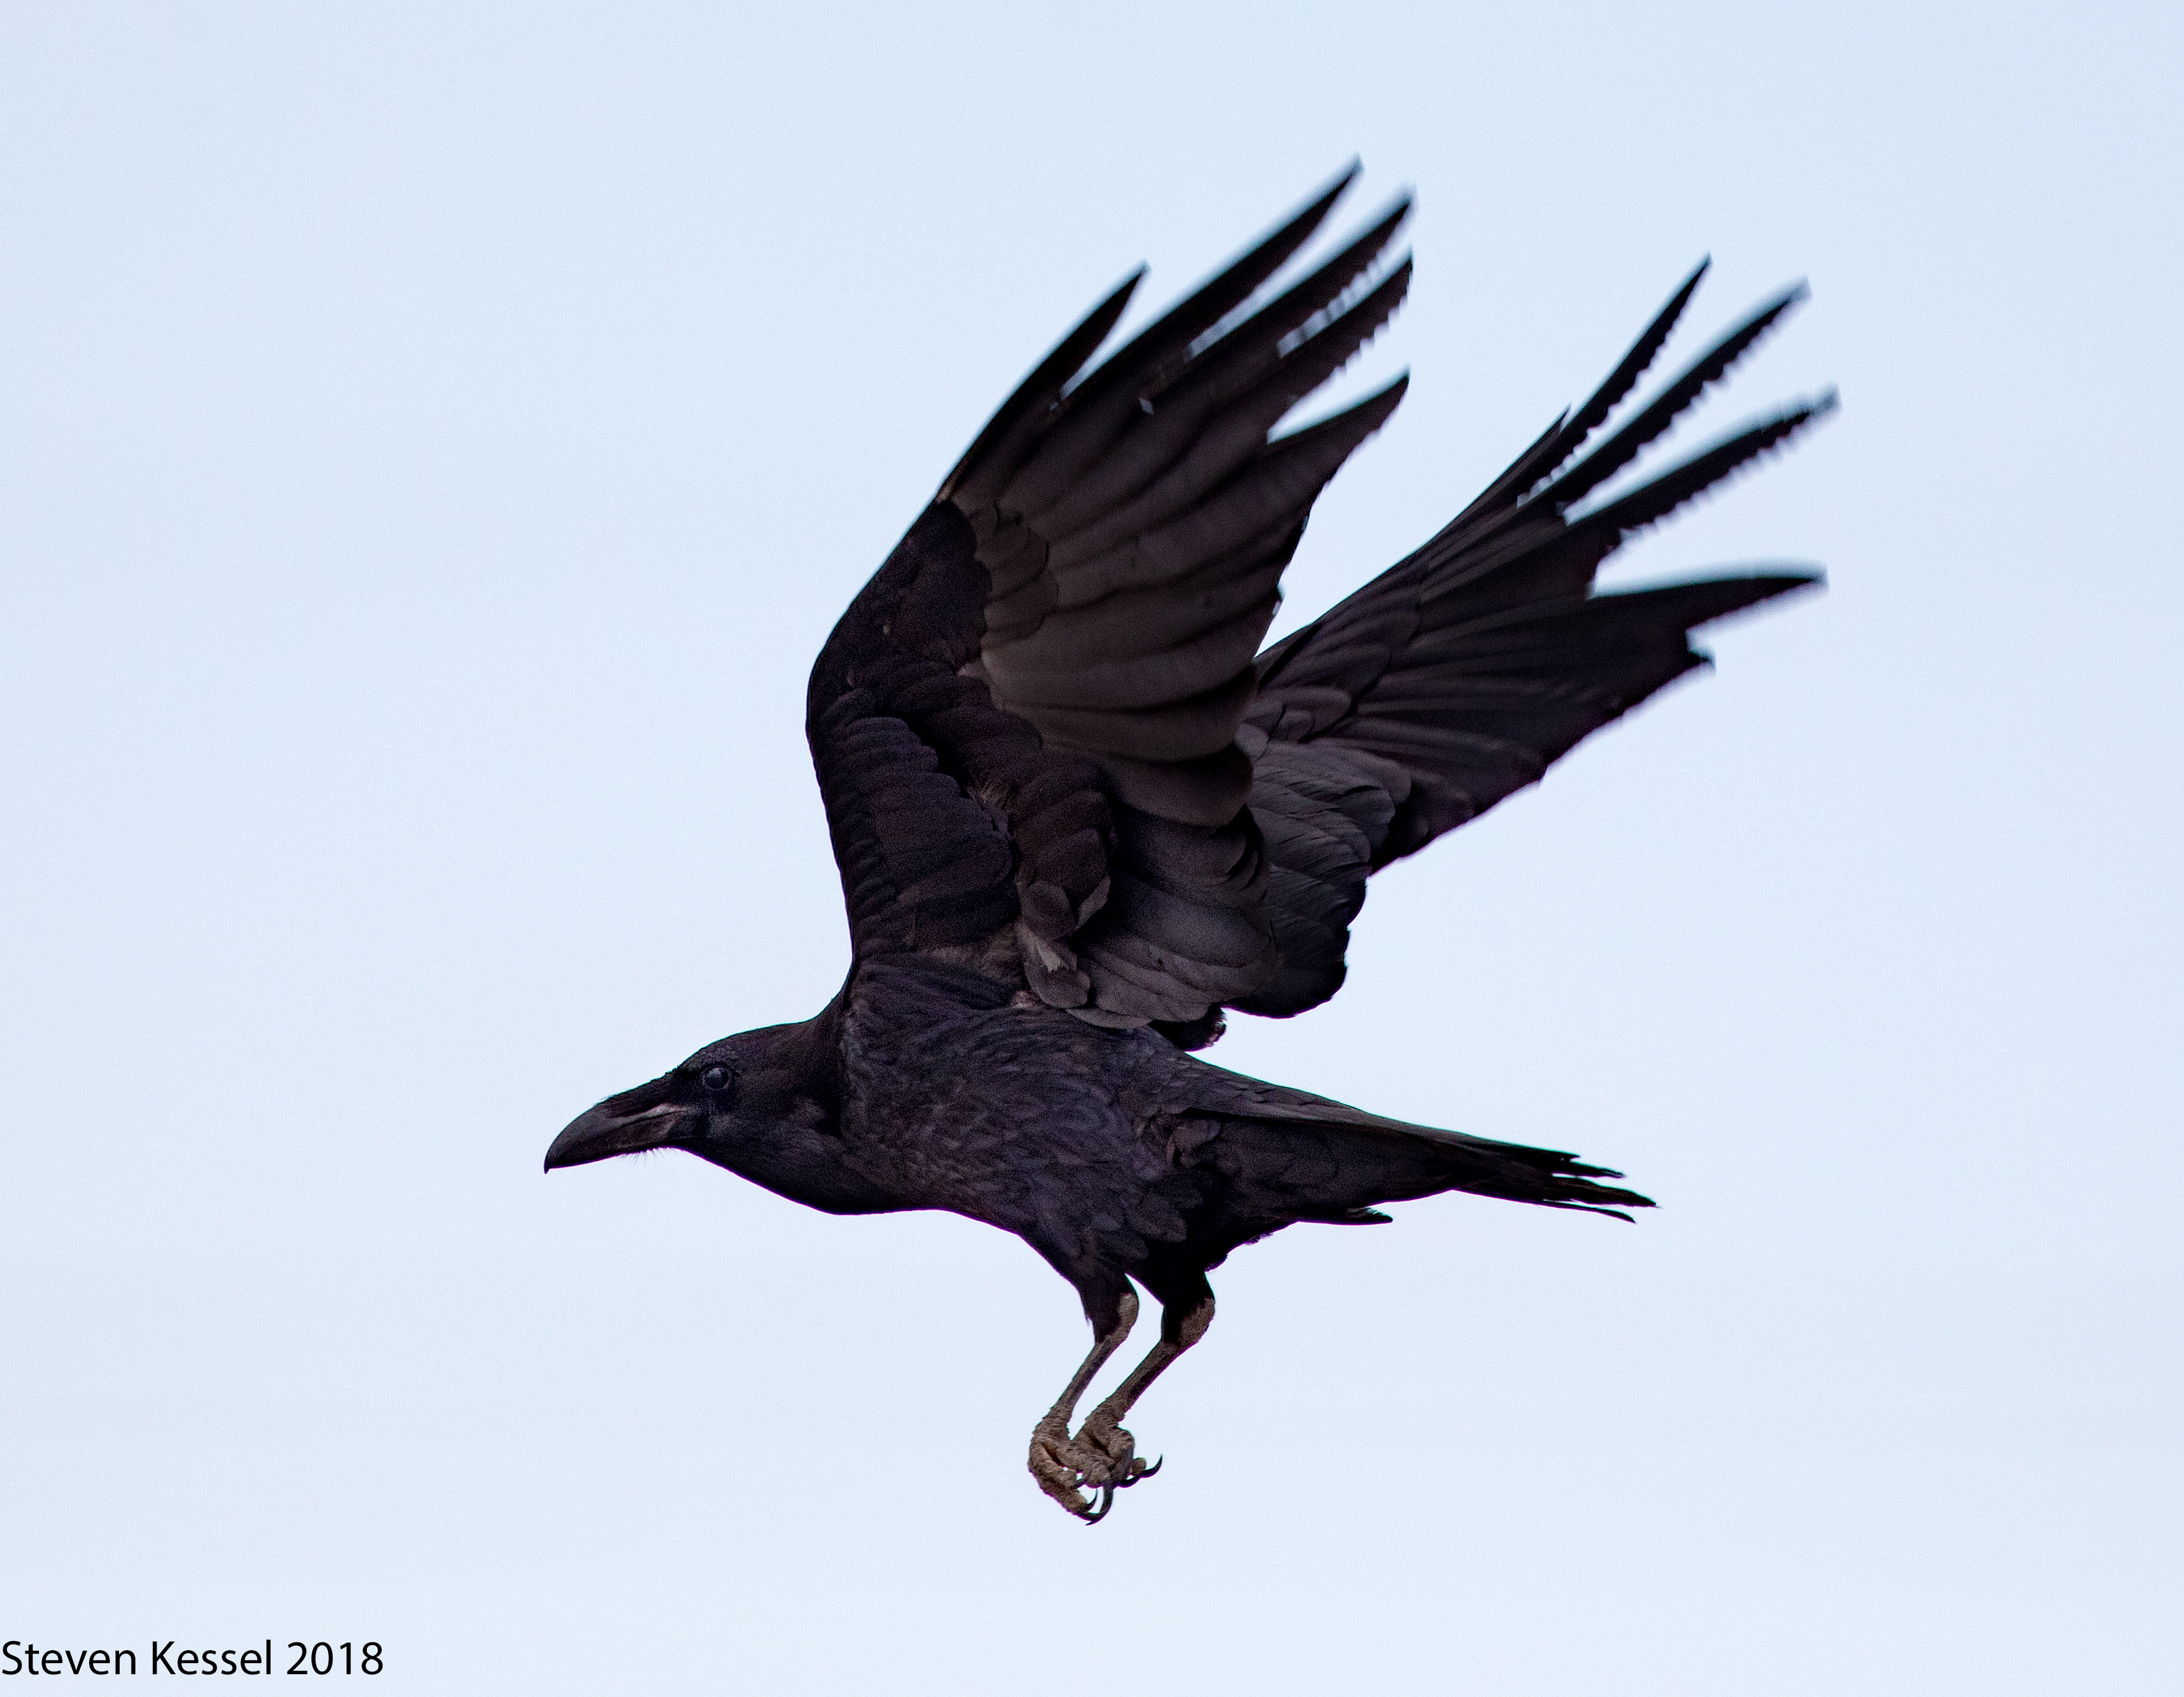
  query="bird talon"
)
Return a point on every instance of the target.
[{"x": 1096, "y": 1459}]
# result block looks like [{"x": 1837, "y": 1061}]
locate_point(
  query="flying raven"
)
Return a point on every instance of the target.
[{"x": 1077, "y": 818}]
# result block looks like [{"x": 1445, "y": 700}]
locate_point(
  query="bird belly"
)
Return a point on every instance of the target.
[{"x": 1015, "y": 1116}]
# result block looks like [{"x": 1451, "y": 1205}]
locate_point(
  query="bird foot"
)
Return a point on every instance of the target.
[{"x": 1102, "y": 1457}]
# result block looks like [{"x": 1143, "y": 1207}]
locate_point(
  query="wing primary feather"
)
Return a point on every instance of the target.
[
  {"x": 1162, "y": 427},
  {"x": 1650, "y": 502},
  {"x": 1625, "y": 445},
  {"x": 1569, "y": 432},
  {"x": 1104, "y": 401},
  {"x": 1232, "y": 362},
  {"x": 1172, "y": 333},
  {"x": 1505, "y": 490},
  {"x": 1625, "y": 378},
  {"x": 1291, "y": 470},
  {"x": 1267, "y": 500},
  {"x": 1354, "y": 423},
  {"x": 1311, "y": 363},
  {"x": 997, "y": 448},
  {"x": 1238, "y": 433},
  {"x": 1282, "y": 484}
]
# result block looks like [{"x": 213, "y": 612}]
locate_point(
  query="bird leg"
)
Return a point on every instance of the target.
[
  {"x": 1103, "y": 1428},
  {"x": 1103, "y": 1456},
  {"x": 1058, "y": 1462}
]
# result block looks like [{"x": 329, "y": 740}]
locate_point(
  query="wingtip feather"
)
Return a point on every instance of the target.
[{"x": 1020, "y": 413}]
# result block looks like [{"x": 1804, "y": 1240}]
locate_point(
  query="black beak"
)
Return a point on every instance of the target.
[{"x": 612, "y": 1129}]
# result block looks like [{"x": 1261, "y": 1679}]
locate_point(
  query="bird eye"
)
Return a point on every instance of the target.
[{"x": 716, "y": 1077}]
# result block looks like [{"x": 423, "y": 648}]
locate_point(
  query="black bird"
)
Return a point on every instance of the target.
[{"x": 1077, "y": 818}]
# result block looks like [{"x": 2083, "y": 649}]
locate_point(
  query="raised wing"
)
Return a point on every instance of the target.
[
  {"x": 1047, "y": 752},
  {"x": 1460, "y": 674},
  {"x": 1025, "y": 726}
]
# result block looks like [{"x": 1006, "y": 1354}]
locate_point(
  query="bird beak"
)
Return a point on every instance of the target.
[{"x": 618, "y": 1126}]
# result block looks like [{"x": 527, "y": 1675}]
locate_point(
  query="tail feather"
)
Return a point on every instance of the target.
[
  {"x": 1284, "y": 1155},
  {"x": 1545, "y": 1178}
]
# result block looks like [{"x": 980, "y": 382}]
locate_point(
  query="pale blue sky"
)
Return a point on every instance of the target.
[{"x": 426, "y": 430}]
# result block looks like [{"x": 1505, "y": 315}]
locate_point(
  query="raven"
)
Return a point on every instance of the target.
[{"x": 1078, "y": 816}]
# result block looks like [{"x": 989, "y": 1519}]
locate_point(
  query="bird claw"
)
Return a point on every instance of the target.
[{"x": 1097, "y": 1458}]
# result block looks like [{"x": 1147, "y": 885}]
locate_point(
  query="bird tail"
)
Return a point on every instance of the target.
[
  {"x": 1309, "y": 1157},
  {"x": 1419, "y": 1161},
  {"x": 1546, "y": 1178}
]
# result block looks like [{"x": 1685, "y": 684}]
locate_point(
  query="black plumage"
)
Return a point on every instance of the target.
[{"x": 1079, "y": 814}]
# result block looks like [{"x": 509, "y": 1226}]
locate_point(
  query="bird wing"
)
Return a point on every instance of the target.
[
  {"x": 1458, "y": 675},
  {"x": 1046, "y": 750},
  {"x": 1025, "y": 725}
]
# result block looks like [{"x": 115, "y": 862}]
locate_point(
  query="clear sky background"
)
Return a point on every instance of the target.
[{"x": 434, "y": 440}]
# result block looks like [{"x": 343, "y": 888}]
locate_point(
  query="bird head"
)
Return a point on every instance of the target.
[
  {"x": 720, "y": 1098},
  {"x": 760, "y": 1103}
]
